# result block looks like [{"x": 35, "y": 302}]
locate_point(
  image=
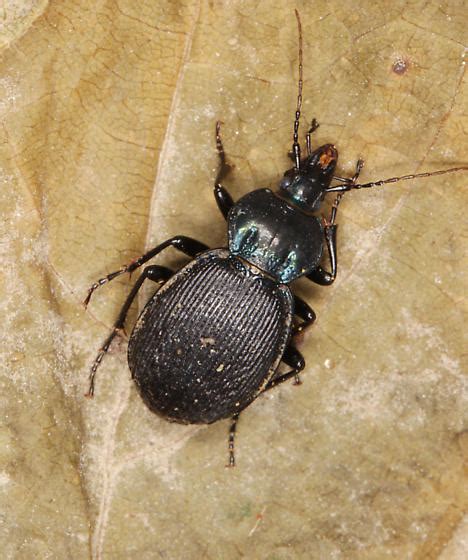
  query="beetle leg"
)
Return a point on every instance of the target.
[
  {"x": 223, "y": 199},
  {"x": 319, "y": 275},
  {"x": 313, "y": 127},
  {"x": 292, "y": 357},
  {"x": 155, "y": 273},
  {"x": 232, "y": 435},
  {"x": 187, "y": 245},
  {"x": 352, "y": 181},
  {"x": 222, "y": 196},
  {"x": 354, "y": 178},
  {"x": 302, "y": 309}
]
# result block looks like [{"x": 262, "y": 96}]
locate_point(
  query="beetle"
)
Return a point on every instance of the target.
[{"x": 211, "y": 339}]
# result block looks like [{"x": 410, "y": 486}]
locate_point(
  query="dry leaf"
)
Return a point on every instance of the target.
[{"x": 107, "y": 147}]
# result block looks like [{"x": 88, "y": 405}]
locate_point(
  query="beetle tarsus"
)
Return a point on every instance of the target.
[
  {"x": 232, "y": 435},
  {"x": 221, "y": 194},
  {"x": 101, "y": 282},
  {"x": 313, "y": 127}
]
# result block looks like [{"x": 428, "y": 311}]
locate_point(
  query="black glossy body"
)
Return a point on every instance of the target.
[{"x": 210, "y": 339}]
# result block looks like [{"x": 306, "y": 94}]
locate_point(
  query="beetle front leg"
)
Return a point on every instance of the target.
[
  {"x": 223, "y": 198},
  {"x": 319, "y": 275},
  {"x": 313, "y": 127},
  {"x": 351, "y": 181},
  {"x": 187, "y": 245},
  {"x": 155, "y": 273}
]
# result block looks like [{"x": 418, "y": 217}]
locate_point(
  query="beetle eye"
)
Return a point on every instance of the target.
[{"x": 285, "y": 182}]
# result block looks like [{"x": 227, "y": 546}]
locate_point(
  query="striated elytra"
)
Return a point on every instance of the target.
[{"x": 209, "y": 339}]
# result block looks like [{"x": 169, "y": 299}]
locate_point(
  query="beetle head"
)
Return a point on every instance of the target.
[{"x": 306, "y": 187}]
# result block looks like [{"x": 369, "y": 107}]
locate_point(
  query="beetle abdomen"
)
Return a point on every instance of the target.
[{"x": 209, "y": 339}]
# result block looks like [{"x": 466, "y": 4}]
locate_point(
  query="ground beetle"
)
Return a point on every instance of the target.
[{"x": 210, "y": 340}]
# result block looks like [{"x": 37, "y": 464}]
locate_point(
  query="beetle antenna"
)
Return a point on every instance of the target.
[
  {"x": 296, "y": 148},
  {"x": 348, "y": 185}
]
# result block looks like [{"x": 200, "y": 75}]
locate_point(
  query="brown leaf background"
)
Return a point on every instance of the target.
[{"x": 107, "y": 114}]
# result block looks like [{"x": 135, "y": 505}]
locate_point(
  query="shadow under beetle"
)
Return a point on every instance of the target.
[{"x": 210, "y": 340}]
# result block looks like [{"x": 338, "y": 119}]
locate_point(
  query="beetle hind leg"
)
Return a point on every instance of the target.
[
  {"x": 232, "y": 435},
  {"x": 293, "y": 358},
  {"x": 157, "y": 274}
]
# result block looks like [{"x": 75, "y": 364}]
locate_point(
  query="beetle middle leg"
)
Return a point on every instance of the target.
[
  {"x": 305, "y": 312},
  {"x": 222, "y": 196},
  {"x": 157, "y": 274},
  {"x": 187, "y": 245},
  {"x": 293, "y": 358}
]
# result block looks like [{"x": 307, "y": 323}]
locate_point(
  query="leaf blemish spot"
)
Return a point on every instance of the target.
[{"x": 400, "y": 66}]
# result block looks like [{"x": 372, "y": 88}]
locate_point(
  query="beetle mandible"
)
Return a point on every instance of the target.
[{"x": 210, "y": 340}]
